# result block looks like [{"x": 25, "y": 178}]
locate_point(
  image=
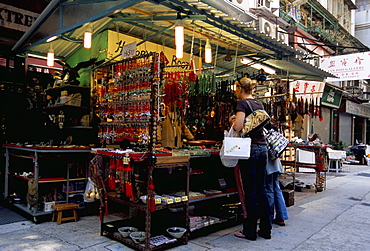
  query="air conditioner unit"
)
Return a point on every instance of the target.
[
  {"x": 282, "y": 36},
  {"x": 242, "y": 4},
  {"x": 266, "y": 27}
]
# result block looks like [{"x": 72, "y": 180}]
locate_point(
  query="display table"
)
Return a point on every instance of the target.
[
  {"x": 310, "y": 156},
  {"x": 62, "y": 168}
]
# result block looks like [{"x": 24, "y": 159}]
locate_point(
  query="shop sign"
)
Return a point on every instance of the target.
[
  {"x": 129, "y": 50},
  {"x": 15, "y": 18},
  {"x": 357, "y": 109},
  {"x": 331, "y": 97},
  {"x": 117, "y": 42},
  {"x": 307, "y": 89},
  {"x": 347, "y": 67},
  {"x": 39, "y": 65}
]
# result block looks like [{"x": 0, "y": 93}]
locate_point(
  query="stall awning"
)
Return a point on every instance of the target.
[
  {"x": 298, "y": 69},
  {"x": 227, "y": 27}
]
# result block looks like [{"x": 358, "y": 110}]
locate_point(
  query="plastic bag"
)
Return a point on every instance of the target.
[
  {"x": 91, "y": 191},
  {"x": 234, "y": 148}
]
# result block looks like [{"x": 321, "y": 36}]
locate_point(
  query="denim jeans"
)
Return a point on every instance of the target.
[
  {"x": 253, "y": 174},
  {"x": 276, "y": 198}
]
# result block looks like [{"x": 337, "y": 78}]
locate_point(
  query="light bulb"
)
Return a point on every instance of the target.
[
  {"x": 179, "y": 31},
  {"x": 50, "y": 57},
  {"x": 179, "y": 51},
  {"x": 208, "y": 53},
  {"x": 88, "y": 37}
]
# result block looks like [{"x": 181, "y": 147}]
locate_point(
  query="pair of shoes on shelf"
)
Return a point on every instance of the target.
[
  {"x": 239, "y": 234},
  {"x": 265, "y": 236},
  {"x": 278, "y": 222}
]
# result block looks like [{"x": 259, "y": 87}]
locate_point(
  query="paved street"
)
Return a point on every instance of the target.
[{"x": 335, "y": 219}]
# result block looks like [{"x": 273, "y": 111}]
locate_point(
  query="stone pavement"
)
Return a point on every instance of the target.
[{"x": 335, "y": 219}]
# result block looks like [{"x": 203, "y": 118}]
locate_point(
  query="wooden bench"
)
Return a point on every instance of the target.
[{"x": 58, "y": 212}]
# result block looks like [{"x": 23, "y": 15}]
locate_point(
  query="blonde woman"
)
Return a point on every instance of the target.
[{"x": 253, "y": 170}]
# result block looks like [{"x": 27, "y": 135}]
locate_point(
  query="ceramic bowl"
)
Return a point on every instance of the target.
[
  {"x": 176, "y": 232},
  {"x": 126, "y": 231},
  {"x": 137, "y": 237}
]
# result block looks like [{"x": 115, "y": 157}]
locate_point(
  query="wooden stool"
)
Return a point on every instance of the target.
[{"x": 58, "y": 212}]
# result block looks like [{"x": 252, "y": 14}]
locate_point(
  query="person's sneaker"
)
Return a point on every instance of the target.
[
  {"x": 278, "y": 222},
  {"x": 265, "y": 236}
]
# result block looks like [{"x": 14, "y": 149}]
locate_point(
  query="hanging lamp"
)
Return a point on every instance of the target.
[
  {"x": 208, "y": 52},
  {"x": 88, "y": 37},
  {"x": 50, "y": 57},
  {"x": 179, "y": 36}
]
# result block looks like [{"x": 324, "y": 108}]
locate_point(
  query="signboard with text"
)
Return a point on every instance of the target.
[
  {"x": 331, "y": 97},
  {"x": 347, "y": 67},
  {"x": 16, "y": 18},
  {"x": 118, "y": 41},
  {"x": 129, "y": 50},
  {"x": 307, "y": 89},
  {"x": 357, "y": 109}
]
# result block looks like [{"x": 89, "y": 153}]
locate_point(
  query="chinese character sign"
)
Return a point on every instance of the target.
[
  {"x": 347, "y": 67},
  {"x": 307, "y": 89}
]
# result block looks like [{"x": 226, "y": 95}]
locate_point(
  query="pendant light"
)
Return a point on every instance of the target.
[
  {"x": 208, "y": 52},
  {"x": 50, "y": 57},
  {"x": 179, "y": 36},
  {"x": 88, "y": 37},
  {"x": 179, "y": 51}
]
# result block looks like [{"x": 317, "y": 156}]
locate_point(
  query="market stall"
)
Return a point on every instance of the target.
[{"x": 161, "y": 113}]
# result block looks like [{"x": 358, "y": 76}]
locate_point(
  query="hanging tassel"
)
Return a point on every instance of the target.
[
  {"x": 101, "y": 213},
  {"x": 112, "y": 164},
  {"x": 106, "y": 206},
  {"x": 151, "y": 201}
]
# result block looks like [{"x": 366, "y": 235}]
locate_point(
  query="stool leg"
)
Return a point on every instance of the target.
[
  {"x": 75, "y": 215},
  {"x": 59, "y": 217}
]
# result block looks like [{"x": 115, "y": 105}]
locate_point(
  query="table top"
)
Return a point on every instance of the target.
[{"x": 54, "y": 149}]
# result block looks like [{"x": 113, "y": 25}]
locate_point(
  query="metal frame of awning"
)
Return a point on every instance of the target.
[{"x": 206, "y": 18}]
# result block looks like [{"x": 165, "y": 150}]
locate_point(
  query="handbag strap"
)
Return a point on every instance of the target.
[{"x": 250, "y": 107}]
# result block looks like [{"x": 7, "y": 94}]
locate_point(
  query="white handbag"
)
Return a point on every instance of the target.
[{"x": 234, "y": 148}]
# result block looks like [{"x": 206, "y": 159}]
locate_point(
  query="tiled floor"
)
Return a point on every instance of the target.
[{"x": 8, "y": 216}]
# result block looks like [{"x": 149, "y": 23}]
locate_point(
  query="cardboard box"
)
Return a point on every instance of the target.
[{"x": 288, "y": 197}]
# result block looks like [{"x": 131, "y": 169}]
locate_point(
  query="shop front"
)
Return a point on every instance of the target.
[{"x": 356, "y": 117}]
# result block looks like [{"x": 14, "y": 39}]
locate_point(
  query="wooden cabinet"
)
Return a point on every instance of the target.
[{"x": 38, "y": 176}]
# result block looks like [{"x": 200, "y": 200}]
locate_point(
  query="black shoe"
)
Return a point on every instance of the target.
[
  {"x": 265, "y": 236},
  {"x": 278, "y": 222}
]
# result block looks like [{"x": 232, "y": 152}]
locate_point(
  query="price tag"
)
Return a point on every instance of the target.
[
  {"x": 222, "y": 183},
  {"x": 126, "y": 160},
  {"x": 129, "y": 50}
]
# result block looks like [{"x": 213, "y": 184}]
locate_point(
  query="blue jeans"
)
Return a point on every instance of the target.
[
  {"x": 253, "y": 174},
  {"x": 276, "y": 198}
]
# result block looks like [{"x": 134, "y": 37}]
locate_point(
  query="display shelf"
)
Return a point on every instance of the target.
[
  {"x": 50, "y": 180},
  {"x": 210, "y": 223},
  {"x": 66, "y": 106},
  {"x": 74, "y": 88},
  {"x": 36, "y": 159},
  {"x": 26, "y": 209},
  {"x": 111, "y": 229},
  {"x": 151, "y": 168},
  {"x": 79, "y": 127},
  {"x": 210, "y": 197},
  {"x": 144, "y": 207},
  {"x": 77, "y": 191}
]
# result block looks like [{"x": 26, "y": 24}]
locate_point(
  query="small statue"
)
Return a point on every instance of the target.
[{"x": 70, "y": 75}]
